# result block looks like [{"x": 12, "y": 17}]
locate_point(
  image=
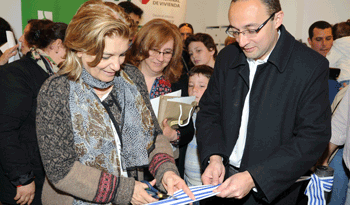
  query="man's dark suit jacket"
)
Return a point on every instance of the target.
[{"x": 289, "y": 115}]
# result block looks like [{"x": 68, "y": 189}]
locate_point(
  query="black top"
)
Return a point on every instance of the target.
[
  {"x": 182, "y": 83},
  {"x": 20, "y": 82}
]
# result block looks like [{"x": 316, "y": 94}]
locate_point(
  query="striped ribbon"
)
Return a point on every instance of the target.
[
  {"x": 316, "y": 188},
  {"x": 200, "y": 192}
]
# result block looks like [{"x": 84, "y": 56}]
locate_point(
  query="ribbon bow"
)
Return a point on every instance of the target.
[{"x": 316, "y": 187}]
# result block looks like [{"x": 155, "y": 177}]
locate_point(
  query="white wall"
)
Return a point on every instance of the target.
[
  {"x": 299, "y": 14},
  {"x": 332, "y": 11},
  {"x": 10, "y": 10},
  {"x": 207, "y": 13}
]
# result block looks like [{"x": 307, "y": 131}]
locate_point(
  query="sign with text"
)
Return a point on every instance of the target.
[
  {"x": 171, "y": 10},
  {"x": 63, "y": 10}
]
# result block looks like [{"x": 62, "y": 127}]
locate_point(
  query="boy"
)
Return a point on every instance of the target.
[
  {"x": 188, "y": 162},
  {"x": 197, "y": 84}
]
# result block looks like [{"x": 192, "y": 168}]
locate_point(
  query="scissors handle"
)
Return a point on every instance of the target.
[
  {"x": 154, "y": 192},
  {"x": 150, "y": 187}
]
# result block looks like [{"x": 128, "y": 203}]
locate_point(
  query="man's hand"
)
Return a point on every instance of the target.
[
  {"x": 170, "y": 133},
  {"x": 173, "y": 182},
  {"x": 140, "y": 196},
  {"x": 237, "y": 186},
  {"x": 25, "y": 194},
  {"x": 215, "y": 172},
  {"x": 8, "y": 54}
]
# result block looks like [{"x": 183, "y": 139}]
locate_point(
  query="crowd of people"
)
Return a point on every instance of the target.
[{"x": 77, "y": 125}]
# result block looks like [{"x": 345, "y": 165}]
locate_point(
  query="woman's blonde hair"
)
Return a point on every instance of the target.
[
  {"x": 153, "y": 35},
  {"x": 86, "y": 33}
]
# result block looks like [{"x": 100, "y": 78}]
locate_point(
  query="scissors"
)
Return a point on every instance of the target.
[{"x": 156, "y": 193}]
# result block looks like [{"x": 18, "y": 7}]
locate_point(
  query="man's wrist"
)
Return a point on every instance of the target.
[
  {"x": 252, "y": 182},
  {"x": 215, "y": 158}
]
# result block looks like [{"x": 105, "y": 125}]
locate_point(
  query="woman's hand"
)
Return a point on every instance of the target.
[
  {"x": 170, "y": 133},
  {"x": 172, "y": 182},
  {"x": 8, "y": 54},
  {"x": 25, "y": 194},
  {"x": 140, "y": 196}
]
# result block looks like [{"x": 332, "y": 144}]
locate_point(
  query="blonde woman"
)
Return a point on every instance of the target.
[{"x": 96, "y": 131}]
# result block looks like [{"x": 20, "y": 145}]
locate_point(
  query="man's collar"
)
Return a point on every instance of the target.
[
  {"x": 283, "y": 50},
  {"x": 280, "y": 54},
  {"x": 259, "y": 61}
]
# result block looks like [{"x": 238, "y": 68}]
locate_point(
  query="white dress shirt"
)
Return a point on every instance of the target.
[{"x": 237, "y": 153}]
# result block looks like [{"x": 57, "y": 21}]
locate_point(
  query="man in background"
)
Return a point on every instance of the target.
[
  {"x": 321, "y": 40},
  {"x": 134, "y": 11},
  {"x": 321, "y": 37}
]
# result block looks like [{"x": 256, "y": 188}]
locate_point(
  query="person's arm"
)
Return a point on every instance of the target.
[
  {"x": 161, "y": 159},
  {"x": 56, "y": 143},
  {"x": 209, "y": 120},
  {"x": 340, "y": 121},
  {"x": 215, "y": 172},
  {"x": 4, "y": 58},
  {"x": 310, "y": 136},
  {"x": 15, "y": 107},
  {"x": 324, "y": 159},
  {"x": 333, "y": 57},
  {"x": 171, "y": 134},
  {"x": 181, "y": 136},
  {"x": 162, "y": 167}
]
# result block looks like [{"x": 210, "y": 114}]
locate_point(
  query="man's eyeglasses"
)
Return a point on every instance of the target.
[
  {"x": 249, "y": 33},
  {"x": 156, "y": 53}
]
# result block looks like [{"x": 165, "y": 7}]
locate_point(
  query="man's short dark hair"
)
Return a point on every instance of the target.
[
  {"x": 273, "y": 6},
  {"x": 320, "y": 25},
  {"x": 187, "y": 25},
  {"x": 129, "y": 8}
]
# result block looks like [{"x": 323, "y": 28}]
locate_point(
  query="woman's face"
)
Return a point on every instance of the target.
[
  {"x": 199, "y": 53},
  {"x": 158, "y": 59},
  {"x": 61, "y": 53},
  {"x": 113, "y": 57},
  {"x": 24, "y": 44}
]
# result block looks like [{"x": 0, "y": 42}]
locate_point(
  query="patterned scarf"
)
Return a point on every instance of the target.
[
  {"x": 92, "y": 127},
  {"x": 44, "y": 61}
]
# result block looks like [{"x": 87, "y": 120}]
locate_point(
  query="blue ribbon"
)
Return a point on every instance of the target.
[{"x": 316, "y": 188}]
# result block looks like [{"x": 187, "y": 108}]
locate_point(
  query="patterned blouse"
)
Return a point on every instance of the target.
[{"x": 161, "y": 86}]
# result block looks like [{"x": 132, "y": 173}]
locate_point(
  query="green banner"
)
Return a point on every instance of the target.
[{"x": 55, "y": 10}]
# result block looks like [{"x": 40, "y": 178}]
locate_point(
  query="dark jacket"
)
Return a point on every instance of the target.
[
  {"x": 182, "y": 83},
  {"x": 186, "y": 136},
  {"x": 20, "y": 82},
  {"x": 289, "y": 115}
]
